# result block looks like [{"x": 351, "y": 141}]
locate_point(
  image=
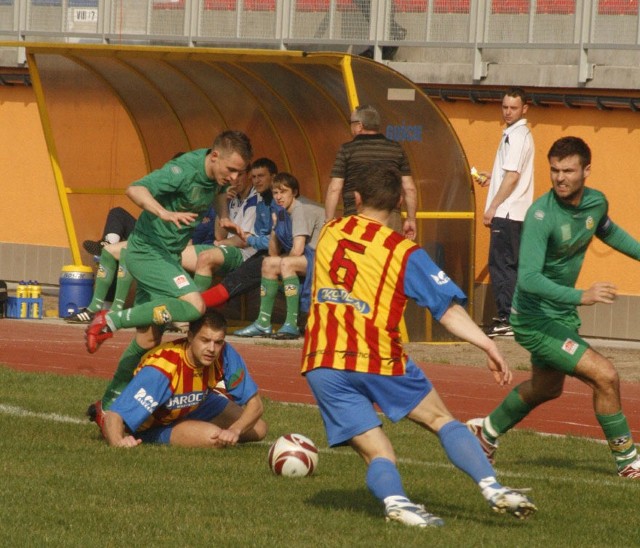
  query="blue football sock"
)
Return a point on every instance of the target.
[
  {"x": 383, "y": 479},
  {"x": 464, "y": 451}
]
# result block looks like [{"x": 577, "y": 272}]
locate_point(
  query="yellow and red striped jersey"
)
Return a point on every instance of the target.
[
  {"x": 167, "y": 385},
  {"x": 185, "y": 380},
  {"x": 358, "y": 298}
]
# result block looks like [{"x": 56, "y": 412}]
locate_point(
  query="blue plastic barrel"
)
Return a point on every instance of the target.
[{"x": 76, "y": 289}]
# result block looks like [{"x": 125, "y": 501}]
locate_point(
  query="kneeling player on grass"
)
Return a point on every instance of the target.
[
  {"x": 557, "y": 231},
  {"x": 172, "y": 397},
  {"x": 353, "y": 356}
]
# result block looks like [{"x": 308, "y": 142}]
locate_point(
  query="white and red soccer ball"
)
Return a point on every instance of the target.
[{"x": 293, "y": 455}]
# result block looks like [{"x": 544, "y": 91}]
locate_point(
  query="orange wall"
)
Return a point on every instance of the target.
[
  {"x": 29, "y": 207},
  {"x": 614, "y": 138},
  {"x": 30, "y": 211}
]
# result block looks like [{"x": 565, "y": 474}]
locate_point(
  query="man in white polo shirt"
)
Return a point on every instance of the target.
[{"x": 510, "y": 195}]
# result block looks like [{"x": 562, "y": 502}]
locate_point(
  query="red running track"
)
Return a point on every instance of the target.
[{"x": 56, "y": 347}]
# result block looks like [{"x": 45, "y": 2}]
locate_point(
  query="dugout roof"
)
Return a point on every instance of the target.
[{"x": 112, "y": 113}]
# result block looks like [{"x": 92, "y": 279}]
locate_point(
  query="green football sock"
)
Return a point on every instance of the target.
[
  {"x": 158, "y": 312},
  {"x": 104, "y": 278},
  {"x": 202, "y": 281},
  {"x": 292, "y": 298},
  {"x": 504, "y": 417},
  {"x": 616, "y": 430},
  {"x": 268, "y": 292},
  {"x": 124, "y": 373},
  {"x": 123, "y": 283}
]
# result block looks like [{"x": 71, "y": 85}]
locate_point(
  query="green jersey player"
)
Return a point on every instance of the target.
[
  {"x": 557, "y": 231},
  {"x": 173, "y": 198}
]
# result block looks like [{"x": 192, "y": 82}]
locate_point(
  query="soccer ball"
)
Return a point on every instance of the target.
[{"x": 293, "y": 455}]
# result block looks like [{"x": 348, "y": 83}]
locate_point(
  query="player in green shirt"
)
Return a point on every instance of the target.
[
  {"x": 557, "y": 231},
  {"x": 174, "y": 198}
]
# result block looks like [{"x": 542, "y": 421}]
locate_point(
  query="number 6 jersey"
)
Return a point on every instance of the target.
[{"x": 363, "y": 274}]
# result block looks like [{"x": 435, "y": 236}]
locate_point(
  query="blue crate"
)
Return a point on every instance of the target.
[{"x": 14, "y": 304}]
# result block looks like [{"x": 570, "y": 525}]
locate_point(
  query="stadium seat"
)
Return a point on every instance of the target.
[
  {"x": 259, "y": 5},
  {"x": 219, "y": 5},
  {"x": 618, "y": 7},
  {"x": 411, "y": 6},
  {"x": 324, "y": 5},
  {"x": 312, "y": 5},
  {"x": 345, "y": 5},
  {"x": 169, "y": 5},
  {"x": 509, "y": 6},
  {"x": 451, "y": 6},
  {"x": 562, "y": 7}
]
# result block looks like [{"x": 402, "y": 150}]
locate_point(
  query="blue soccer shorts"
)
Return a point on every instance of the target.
[
  {"x": 346, "y": 399},
  {"x": 214, "y": 404}
]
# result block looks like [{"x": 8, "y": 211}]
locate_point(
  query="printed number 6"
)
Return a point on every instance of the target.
[{"x": 340, "y": 261}]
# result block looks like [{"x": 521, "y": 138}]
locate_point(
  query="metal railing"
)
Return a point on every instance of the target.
[{"x": 338, "y": 25}]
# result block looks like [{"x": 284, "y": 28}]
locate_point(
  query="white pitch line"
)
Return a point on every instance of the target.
[{"x": 54, "y": 417}]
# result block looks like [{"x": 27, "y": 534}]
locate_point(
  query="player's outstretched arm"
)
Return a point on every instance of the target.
[
  {"x": 459, "y": 323},
  {"x": 114, "y": 431}
]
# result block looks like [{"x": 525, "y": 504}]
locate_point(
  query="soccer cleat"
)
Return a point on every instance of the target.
[
  {"x": 511, "y": 501},
  {"x": 475, "y": 427},
  {"x": 94, "y": 248},
  {"x": 82, "y": 316},
  {"x": 253, "y": 330},
  {"x": 414, "y": 515},
  {"x": 631, "y": 471},
  {"x": 97, "y": 332},
  {"x": 96, "y": 414},
  {"x": 500, "y": 329},
  {"x": 287, "y": 333}
]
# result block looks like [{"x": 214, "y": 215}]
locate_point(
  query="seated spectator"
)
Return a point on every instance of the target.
[
  {"x": 291, "y": 253},
  {"x": 180, "y": 379},
  {"x": 248, "y": 275},
  {"x": 204, "y": 233},
  {"x": 117, "y": 227},
  {"x": 229, "y": 251}
]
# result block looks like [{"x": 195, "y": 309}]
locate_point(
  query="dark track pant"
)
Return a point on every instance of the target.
[{"x": 504, "y": 247}]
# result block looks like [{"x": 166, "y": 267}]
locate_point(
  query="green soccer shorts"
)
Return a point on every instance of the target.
[
  {"x": 158, "y": 275},
  {"x": 553, "y": 342},
  {"x": 232, "y": 257}
]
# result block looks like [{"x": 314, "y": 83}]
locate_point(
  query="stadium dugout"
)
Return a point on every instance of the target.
[{"x": 111, "y": 114}]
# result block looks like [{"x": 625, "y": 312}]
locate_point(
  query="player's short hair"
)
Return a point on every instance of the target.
[
  {"x": 284, "y": 179},
  {"x": 271, "y": 166},
  {"x": 570, "y": 146},
  {"x": 368, "y": 116},
  {"x": 231, "y": 141},
  {"x": 380, "y": 187},
  {"x": 211, "y": 318},
  {"x": 517, "y": 92}
]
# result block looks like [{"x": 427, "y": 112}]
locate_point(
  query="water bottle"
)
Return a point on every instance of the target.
[
  {"x": 34, "y": 293},
  {"x": 21, "y": 293},
  {"x": 21, "y": 290}
]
